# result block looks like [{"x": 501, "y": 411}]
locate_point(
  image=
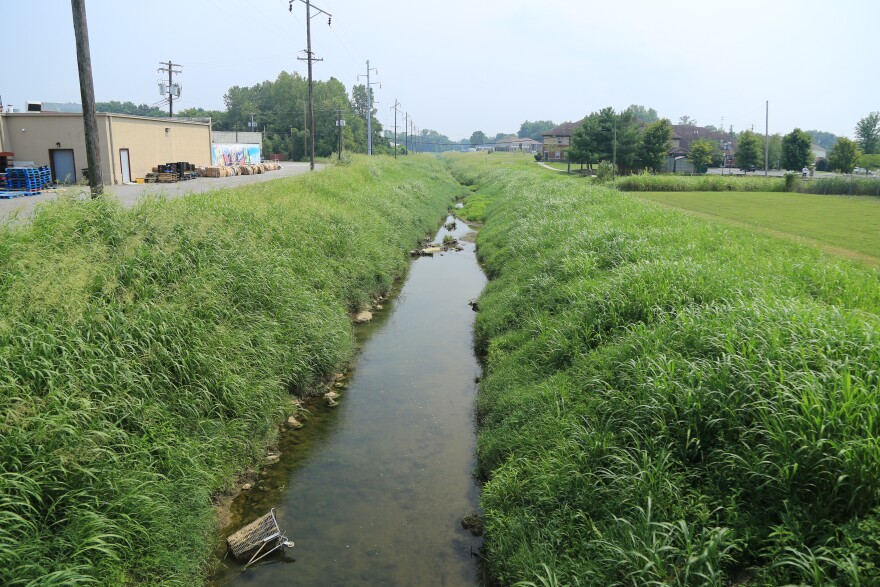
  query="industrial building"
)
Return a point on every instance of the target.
[{"x": 130, "y": 145}]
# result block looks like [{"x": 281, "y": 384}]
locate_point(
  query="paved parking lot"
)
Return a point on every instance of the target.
[{"x": 130, "y": 194}]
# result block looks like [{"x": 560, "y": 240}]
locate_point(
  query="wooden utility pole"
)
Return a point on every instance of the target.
[
  {"x": 172, "y": 90},
  {"x": 396, "y": 109},
  {"x": 87, "y": 92},
  {"x": 340, "y": 122},
  {"x": 310, "y": 58}
]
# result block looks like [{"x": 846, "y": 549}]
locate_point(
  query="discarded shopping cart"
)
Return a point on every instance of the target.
[{"x": 258, "y": 539}]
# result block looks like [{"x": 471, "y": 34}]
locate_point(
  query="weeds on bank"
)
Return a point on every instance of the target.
[
  {"x": 147, "y": 354},
  {"x": 669, "y": 400}
]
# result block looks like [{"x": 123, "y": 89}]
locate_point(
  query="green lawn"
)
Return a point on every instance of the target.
[{"x": 841, "y": 222}]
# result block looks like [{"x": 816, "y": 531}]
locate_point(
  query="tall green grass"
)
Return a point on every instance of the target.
[
  {"x": 670, "y": 401},
  {"x": 838, "y": 185},
  {"x": 842, "y": 185},
  {"x": 146, "y": 355},
  {"x": 698, "y": 183}
]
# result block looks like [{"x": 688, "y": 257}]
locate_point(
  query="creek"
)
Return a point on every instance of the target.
[{"x": 373, "y": 490}]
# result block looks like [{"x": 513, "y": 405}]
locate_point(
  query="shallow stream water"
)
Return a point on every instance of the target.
[{"x": 373, "y": 490}]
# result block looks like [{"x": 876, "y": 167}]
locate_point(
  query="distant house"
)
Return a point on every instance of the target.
[
  {"x": 819, "y": 152},
  {"x": 514, "y": 143},
  {"x": 685, "y": 134},
  {"x": 558, "y": 140}
]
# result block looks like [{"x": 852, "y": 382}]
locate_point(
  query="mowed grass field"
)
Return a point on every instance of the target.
[{"x": 851, "y": 225}]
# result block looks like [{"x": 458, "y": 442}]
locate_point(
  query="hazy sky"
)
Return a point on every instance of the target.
[{"x": 458, "y": 66}]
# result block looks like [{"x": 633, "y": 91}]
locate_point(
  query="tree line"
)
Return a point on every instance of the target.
[{"x": 278, "y": 109}]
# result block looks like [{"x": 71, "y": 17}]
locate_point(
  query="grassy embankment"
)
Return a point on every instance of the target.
[
  {"x": 669, "y": 400},
  {"x": 146, "y": 355}
]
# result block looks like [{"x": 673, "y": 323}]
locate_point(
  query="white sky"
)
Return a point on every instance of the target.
[{"x": 458, "y": 66}]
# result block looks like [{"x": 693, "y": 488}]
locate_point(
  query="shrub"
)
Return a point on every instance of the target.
[
  {"x": 605, "y": 171},
  {"x": 792, "y": 181}
]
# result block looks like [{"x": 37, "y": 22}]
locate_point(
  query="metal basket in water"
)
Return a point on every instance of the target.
[{"x": 258, "y": 539}]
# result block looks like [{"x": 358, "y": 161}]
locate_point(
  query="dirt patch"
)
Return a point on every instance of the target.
[{"x": 470, "y": 237}]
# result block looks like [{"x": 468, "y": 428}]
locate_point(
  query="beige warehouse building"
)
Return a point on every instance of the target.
[{"x": 130, "y": 145}]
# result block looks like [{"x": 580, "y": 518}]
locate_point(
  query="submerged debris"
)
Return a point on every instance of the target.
[
  {"x": 258, "y": 539},
  {"x": 474, "y": 304},
  {"x": 292, "y": 422},
  {"x": 363, "y": 317},
  {"x": 473, "y": 523},
  {"x": 451, "y": 225}
]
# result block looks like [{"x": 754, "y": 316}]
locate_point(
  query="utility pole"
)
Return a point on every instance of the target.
[
  {"x": 406, "y": 133},
  {"x": 396, "y": 109},
  {"x": 613, "y": 151},
  {"x": 172, "y": 89},
  {"x": 310, "y": 58},
  {"x": 340, "y": 122},
  {"x": 87, "y": 92},
  {"x": 305, "y": 135},
  {"x": 370, "y": 107},
  {"x": 412, "y": 134},
  {"x": 767, "y": 139}
]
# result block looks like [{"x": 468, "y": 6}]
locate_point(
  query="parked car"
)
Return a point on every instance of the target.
[{"x": 749, "y": 168}]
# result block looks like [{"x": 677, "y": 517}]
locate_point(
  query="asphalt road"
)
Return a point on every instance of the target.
[{"x": 130, "y": 194}]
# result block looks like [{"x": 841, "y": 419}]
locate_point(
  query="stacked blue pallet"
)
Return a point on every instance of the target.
[{"x": 28, "y": 178}]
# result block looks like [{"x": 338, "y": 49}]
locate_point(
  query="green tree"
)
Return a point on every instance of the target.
[
  {"x": 868, "y": 133},
  {"x": 533, "y": 130},
  {"x": 609, "y": 136},
  {"x": 750, "y": 151},
  {"x": 687, "y": 121},
  {"x": 583, "y": 147},
  {"x": 627, "y": 133},
  {"x": 478, "y": 137},
  {"x": 844, "y": 155},
  {"x": 703, "y": 152},
  {"x": 115, "y": 107},
  {"x": 654, "y": 144},
  {"x": 644, "y": 115},
  {"x": 796, "y": 150},
  {"x": 824, "y": 139}
]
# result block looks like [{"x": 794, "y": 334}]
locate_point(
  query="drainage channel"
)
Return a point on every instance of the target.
[{"x": 372, "y": 490}]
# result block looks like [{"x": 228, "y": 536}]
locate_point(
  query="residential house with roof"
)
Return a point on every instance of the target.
[
  {"x": 683, "y": 135},
  {"x": 514, "y": 143},
  {"x": 558, "y": 140}
]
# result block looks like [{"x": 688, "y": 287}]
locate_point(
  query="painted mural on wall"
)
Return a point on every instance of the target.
[{"x": 235, "y": 154}]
